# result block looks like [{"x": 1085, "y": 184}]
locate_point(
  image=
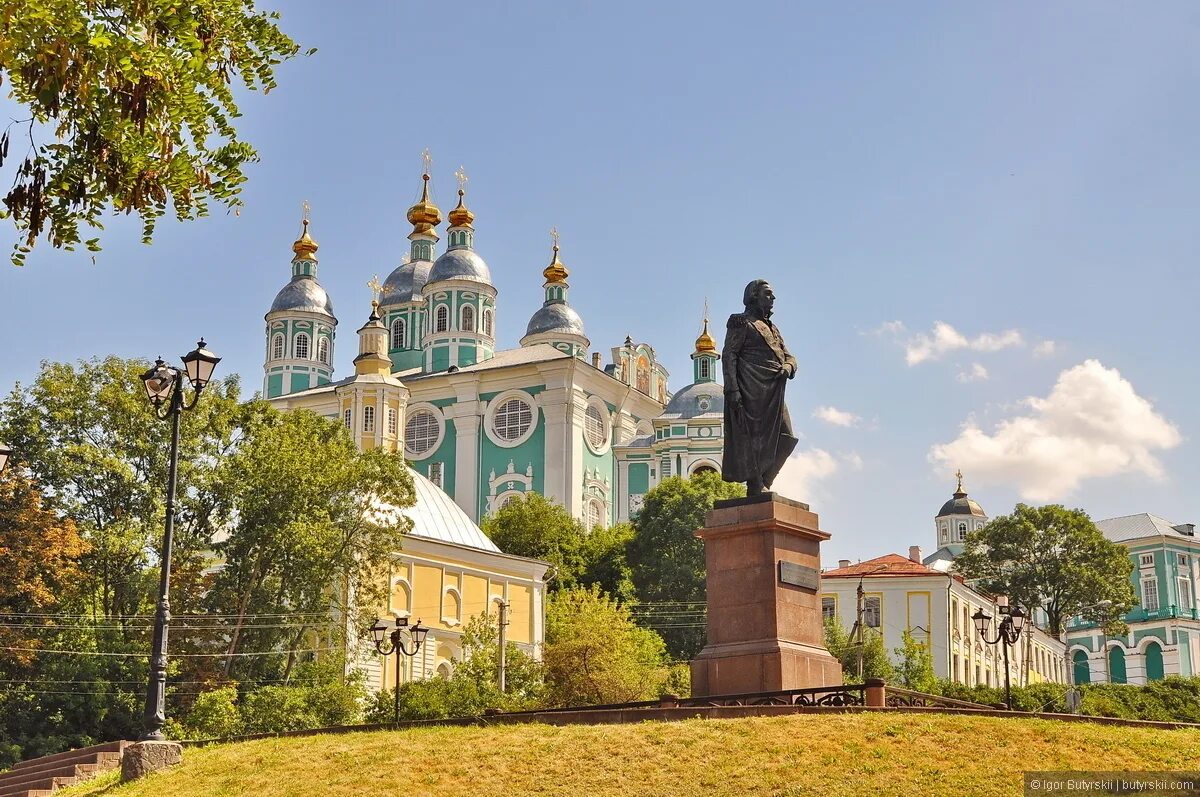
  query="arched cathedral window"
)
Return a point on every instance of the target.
[
  {"x": 468, "y": 319},
  {"x": 962, "y": 531},
  {"x": 368, "y": 419},
  {"x": 487, "y": 322},
  {"x": 323, "y": 350},
  {"x": 703, "y": 368},
  {"x": 277, "y": 347},
  {"x": 302, "y": 346},
  {"x": 441, "y": 318},
  {"x": 399, "y": 339}
]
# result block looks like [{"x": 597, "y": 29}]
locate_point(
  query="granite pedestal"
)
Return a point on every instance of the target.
[{"x": 765, "y": 630}]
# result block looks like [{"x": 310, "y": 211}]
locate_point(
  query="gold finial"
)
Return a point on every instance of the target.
[
  {"x": 557, "y": 270},
  {"x": 425, "y": 215},
  {"x": 305, "y": 247},
  {"x": 376, "y": 289},
  {"x": 461, "y": 216},
  {"x": 705, "y": 344},
  {"x": 958, "y": 475}
]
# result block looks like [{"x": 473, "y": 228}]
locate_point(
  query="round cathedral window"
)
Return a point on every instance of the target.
[
  {"x": 421, "y": 432},
  {"x": 512, "y": 420},
  {"x": 595, "y": 428}
]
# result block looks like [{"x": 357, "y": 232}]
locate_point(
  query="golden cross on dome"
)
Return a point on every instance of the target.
[
  {"x": 375, "y": 287},
  {"x": 554, "y": 237},
  {"x": 306, "y": 208},
  {"x": 461, "y": 174},
  {"x": 958, "y": 473},
  {"x": 426, "y": 161},
  {"x": 705, "y": 309}
]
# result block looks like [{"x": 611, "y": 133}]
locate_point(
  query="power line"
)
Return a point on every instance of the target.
[{"x": 173, "y": 655}]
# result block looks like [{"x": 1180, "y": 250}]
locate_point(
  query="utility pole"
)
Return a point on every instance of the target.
[
  {"x": 500, "y": 659},
  {"x": 857, "y": 633}
]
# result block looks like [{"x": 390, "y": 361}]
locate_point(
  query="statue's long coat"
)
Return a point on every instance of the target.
[{"x": 759, "y": 441}]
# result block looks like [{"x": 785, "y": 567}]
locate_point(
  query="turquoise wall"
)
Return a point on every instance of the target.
[
  {"x": 274, "y": 385},
  {"x": 494, "y": 457},
  {"x": 639, "y": 478}
]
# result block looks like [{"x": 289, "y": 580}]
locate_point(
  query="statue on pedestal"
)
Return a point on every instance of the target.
[{"x": 758, "y": 429}]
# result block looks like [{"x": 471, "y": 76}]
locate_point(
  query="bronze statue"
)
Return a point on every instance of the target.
[{"x": 758, "y": 429}]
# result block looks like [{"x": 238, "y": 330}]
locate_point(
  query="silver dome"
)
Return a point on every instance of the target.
[
  {"x": 558, "y": 317},
  {"x": 404, "y": 284},
  {"x": 305, "y": 294},
  {"x": 702, "y": 398},
  {"x": 462, "y": 264},
  {"x": 960, "y": 504}
]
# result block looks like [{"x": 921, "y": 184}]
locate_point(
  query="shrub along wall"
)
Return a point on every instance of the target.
[{"x": 1173, "y": 699}]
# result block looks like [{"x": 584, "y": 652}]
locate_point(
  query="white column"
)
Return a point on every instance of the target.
[
  {"x": 466, "y": 458},
  {"x": 575, "y": 409},
  {"x": 555, "y": 475}
]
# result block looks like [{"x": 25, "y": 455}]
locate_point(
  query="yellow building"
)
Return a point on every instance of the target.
[{"x": 448, "y": 572}]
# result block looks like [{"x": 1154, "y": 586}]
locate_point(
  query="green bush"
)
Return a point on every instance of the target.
[
  {"x": 214, "y": 715},
  {"x": 1173, "y": 699}
]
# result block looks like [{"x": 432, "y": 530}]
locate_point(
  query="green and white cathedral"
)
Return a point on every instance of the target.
[{"x": 487, "y": 425}]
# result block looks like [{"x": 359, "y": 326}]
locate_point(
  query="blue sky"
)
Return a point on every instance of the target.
[{"x": 1024, "y": 175}]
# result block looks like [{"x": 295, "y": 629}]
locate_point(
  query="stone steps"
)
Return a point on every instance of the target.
[{"x": 41, "y": 777}]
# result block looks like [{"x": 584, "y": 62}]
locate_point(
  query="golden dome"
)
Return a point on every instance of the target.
[
  {"x": 705, "y": 343},
  {"x": 305, "y": 247},
  {"x": 557, "y": 270},
  {"x": 461, "y": 216},
  {"x": 424, "y": 215}
]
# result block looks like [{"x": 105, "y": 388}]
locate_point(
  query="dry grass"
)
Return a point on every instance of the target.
[{"x": 828, "y": 755}]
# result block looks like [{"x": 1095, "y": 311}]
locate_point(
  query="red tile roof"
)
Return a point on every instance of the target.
[{"x": 892, "y": 564}]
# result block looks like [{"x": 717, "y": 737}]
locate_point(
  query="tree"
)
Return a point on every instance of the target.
[
  {"x": 915, "y": 670},
  {"x": 40, "y": 553},
  {"x": 315, "y": 522},
  {"x": 666, "y": 559},
  {"x": 481, "y": 646},
  {"x": 131, "y": 105},
  {"x": 595, "y": 654},
  {"x": 1053, "y": 559},
  {"x": 536, "y": 527},
  {"x": 874, "y": 656}
]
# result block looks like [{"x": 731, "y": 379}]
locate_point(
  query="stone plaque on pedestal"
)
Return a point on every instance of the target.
[{"x": 765, "y": 630}]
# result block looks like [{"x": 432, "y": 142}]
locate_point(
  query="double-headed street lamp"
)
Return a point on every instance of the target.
[
  {"x": 416, "y": 637},
  {"x": 1007, "y": 634},
  {"x": 165, "y": 389}
]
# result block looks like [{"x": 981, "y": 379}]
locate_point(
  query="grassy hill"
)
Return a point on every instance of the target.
[{"x": 835, "y": 754}]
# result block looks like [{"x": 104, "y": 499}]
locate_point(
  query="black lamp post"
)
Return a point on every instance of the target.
[
  {"x": 165, "y": 389},
  {"x": 416, "y": 637},
  {"x": 5, "y": 453},
  {"x": 1007, "y": 634}
]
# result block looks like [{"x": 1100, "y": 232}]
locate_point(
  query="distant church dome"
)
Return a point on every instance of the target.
[
  {"x": 462, "y": 264},
  {"x": 558, "y": 318},
  {"x": 693, "y": 401},
  {"x": 960, "y": 504},
  {"x": 404, "y": 284},
  {"x": 305, "y": 294}
]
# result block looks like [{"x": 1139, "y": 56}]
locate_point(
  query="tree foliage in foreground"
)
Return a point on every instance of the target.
[
  {"x": 131, "y": 105},
  {"x": 666, "y": 559},
  {"x": 1054, "y": 559},
  {"x": 871, "y": 652},
  {"x": 595, "y": 654}
]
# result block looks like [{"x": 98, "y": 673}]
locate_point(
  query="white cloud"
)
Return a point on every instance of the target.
[
  {"x": 836, "y": 417},
  {"x": 1045, "y": 349},
  {"x": 891, "y": 328},
  {"x": 945, "y": 338},
  {"x": 1093, "y": 424},
  {"x": 803, "y": 471},
  {"x": 976, "y": 373}
]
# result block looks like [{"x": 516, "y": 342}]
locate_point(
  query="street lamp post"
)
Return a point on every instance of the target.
[
  {"x": 416, "y": 637},
  {"x": 1007, "y": 634},
  {"x": 165, "y": 389}
]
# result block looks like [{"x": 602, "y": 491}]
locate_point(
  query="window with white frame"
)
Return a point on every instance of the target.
[
  {"x": 301, "y": 346},
  {"x": 512, "y": 420},
  {"x": 399, "y": 338},
  {"x": 441, "y": 318},
  {"x": 368, "y": 419},
  {"x": 487, "y": 322},
  {"x": 277, "y": 347},
  {"x": 1150, "y": 595},
  {"x": 323, "y": 350},
  {"x": 346, "y": 416},
  {"x": 962, "y": 531},
  {"x": 391, "y": 420},
  {"x": 703, "y": 368},
  {"x": 1184, "y": 586},
  {"x": 595, "y": 426},
  {"x": 595, "y": 514},
  {"x": 421, "y": 432},
  {"x": 435, "y": 473},
  {"x": 467, "y": 319},
  {"x": 828, "y": 607},
  {"x": 1183, "y": 560},
  {"x": 871, "y": 618},
  {"x": 1146, "y": 560}
]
